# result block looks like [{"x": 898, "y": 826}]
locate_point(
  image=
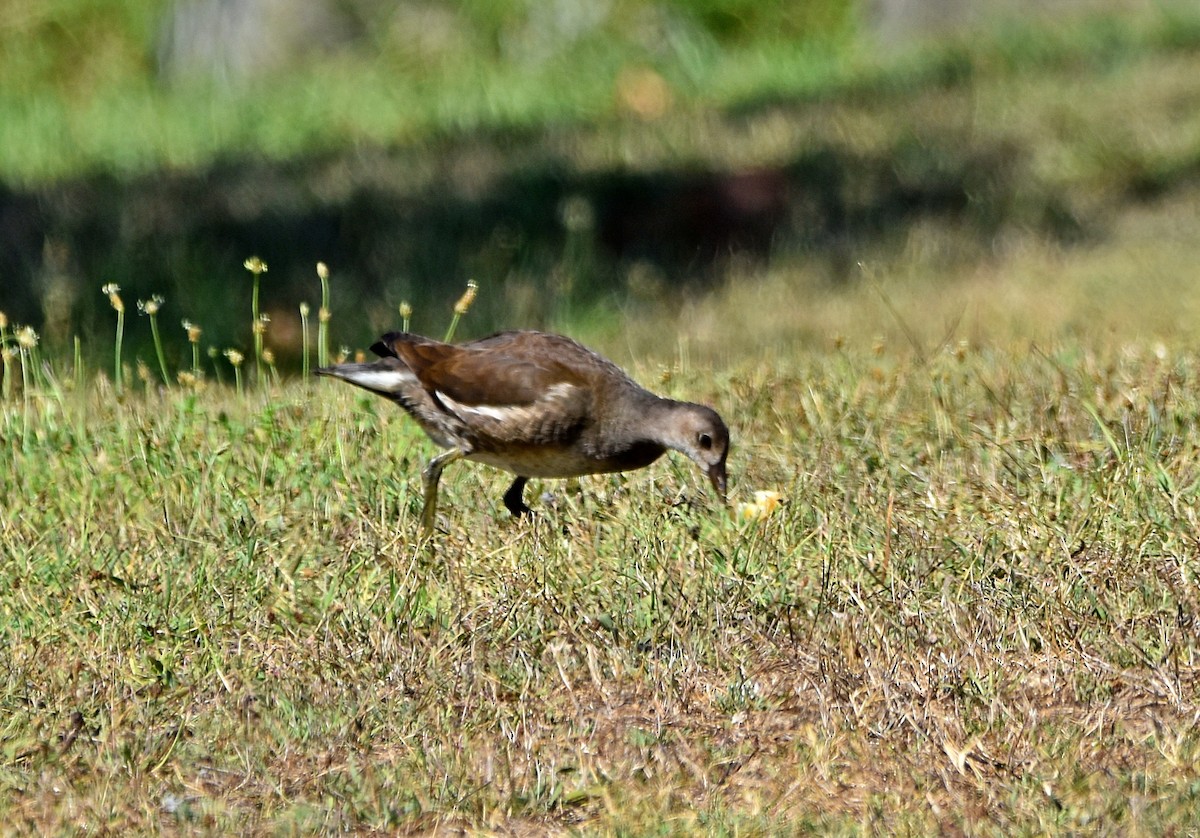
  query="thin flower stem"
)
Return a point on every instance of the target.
[
  {"x": 6, "y": 356},
  {"x": 212, "y": 354},
  {"x": 236, "y": 358},
  {"x": 304, "y": 340},
  {"x": 258, "y": 338},
  {"x": 26, "y": 408},
  {"x": 453, "y": 327},
  {"x": 258, "y": 325},
  {"x": 462, "y": 307},
  {"x": 162, "y": 361},
  {"x": 117, "y": 377},
  {"x": 8, "y": 372},
  {"x": 25, "y": 364},
  {"x": 323, "y": 317},
  {"x": 193, "y": 335}
]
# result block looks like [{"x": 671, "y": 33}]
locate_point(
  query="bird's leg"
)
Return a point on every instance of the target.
[
  {"x": 514, "y": 498},
  {"x": 432, "y": 474}
]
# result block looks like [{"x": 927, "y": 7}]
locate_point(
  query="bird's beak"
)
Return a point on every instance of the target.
[{"x": 716, "y": 474}]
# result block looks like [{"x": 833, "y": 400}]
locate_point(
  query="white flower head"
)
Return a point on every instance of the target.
[{"x": 151, "y": 306}]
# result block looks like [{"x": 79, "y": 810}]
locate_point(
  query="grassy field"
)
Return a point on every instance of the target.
[{"x": 975, "y": 611}]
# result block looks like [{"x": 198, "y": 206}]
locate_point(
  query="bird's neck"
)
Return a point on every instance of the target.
[
  {"x": 638, "y": 431},
  {"x": 661, "y": 420}
]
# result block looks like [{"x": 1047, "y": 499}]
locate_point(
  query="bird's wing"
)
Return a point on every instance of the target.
[
  {"x": 499, "y": 380},
  {"x": 481, "y": 373},
  {"x": 505, "y": 389}
]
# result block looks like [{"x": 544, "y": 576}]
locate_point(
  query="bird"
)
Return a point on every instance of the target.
[{"x": 535, "y": 404}]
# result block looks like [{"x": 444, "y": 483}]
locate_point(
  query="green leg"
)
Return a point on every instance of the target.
[{"x": 432, "y": 474}]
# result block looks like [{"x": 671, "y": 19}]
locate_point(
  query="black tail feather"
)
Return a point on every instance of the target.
[{"x": 383, "y": 346}]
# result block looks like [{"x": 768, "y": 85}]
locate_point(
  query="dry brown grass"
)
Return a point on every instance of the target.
[{"x": 974, "y": 614}]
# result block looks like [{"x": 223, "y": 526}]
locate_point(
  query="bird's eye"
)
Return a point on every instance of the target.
[{"x": 705, "y": 441}]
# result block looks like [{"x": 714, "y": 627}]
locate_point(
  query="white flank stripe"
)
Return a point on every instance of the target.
[
  {"x": 465, "y": 411},
  {"x": 504, "y": 413}
]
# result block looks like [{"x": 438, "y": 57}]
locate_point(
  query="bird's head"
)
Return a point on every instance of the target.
[{"x": 698, "y": 432}]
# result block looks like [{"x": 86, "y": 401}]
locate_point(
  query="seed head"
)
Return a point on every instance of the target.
[
  {"x": 7, "y": 355},
  {"x": 143, "y": 372},
  {"x": 3, "y": 320},
  {"x": 304, "y": 309},
  {"x": 464, "y": 302},
  {"x": 255, "y": 265},
  {"x": 260, "y": 325},
  {"x": 324, "y": 315},
  {"x": 235, "y": 357},
  {"x": 405, "y": 310},
  {"x": 322, "y": 271},
  {"x": 27, "y": 338},
  {"x": 151, "y": 306},
  {"x": 193, "y": 331},
  {"x": 114, "y": 296},
  {"x": 268, "y": 357}
]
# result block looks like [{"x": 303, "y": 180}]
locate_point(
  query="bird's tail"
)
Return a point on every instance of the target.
[{"x": 387, "y": 376}]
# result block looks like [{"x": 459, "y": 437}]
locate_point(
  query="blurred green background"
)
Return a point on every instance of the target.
[{"x": 581, "y": 160}]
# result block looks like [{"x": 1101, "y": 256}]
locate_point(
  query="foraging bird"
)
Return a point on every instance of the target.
[{"x": 534, "y": 404}]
